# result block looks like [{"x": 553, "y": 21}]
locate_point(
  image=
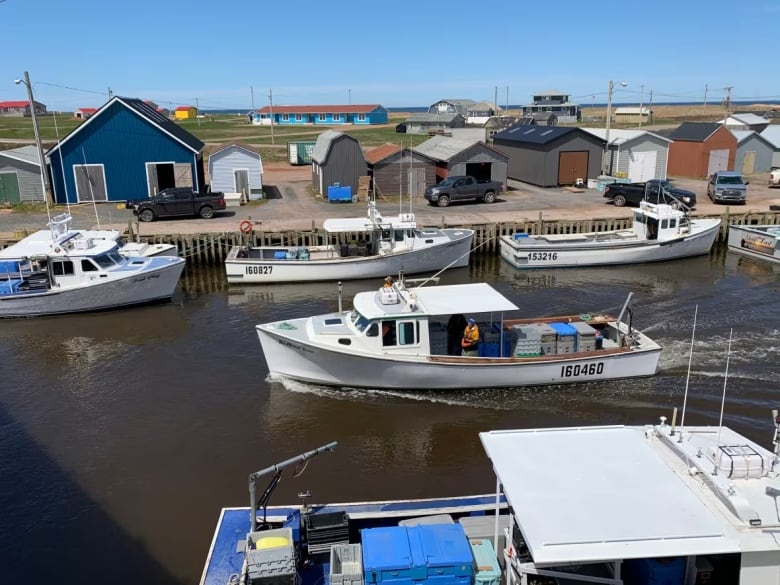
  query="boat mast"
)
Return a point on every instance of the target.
[{"x": 277, "y": 470}]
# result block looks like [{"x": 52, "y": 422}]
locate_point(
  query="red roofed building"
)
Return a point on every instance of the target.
[
  {"x": 20, "y": 108},
  {"x": 324, "y": 115},
  {"x": 186, "y": 113},
  {"x": 84, "y": 113}
]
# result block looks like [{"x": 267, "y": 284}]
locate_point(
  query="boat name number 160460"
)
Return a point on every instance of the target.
[
  {"x": 543, "y": 256},
  {"x": 572, "y": 371},
  {"x": 263, "y": 269}
]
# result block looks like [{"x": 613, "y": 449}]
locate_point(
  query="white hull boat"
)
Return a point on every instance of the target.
[
  {"x": 147, "y": 249},
  {"x": 419, "y": 344},
  {"x": 659, "y": 232},
  {"x": 609, "y": 505},
  {"x": 66, "y": 271},
  {"x": 386, "y": 245},
  {"x": 756, "y": 241}
]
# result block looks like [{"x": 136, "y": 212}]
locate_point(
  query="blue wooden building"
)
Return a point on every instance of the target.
[
  {"x": 324, "y": 115},
  {"x": 126, "y": 150}
]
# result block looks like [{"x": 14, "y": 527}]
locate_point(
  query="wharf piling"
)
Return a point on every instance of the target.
[{"x": 212, "y": 248}]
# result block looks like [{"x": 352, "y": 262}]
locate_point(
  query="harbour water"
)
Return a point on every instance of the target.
[{"x": 122, "y": 434}]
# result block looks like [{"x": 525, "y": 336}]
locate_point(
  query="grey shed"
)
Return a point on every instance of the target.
[
  {"x": 337, "y": 159},
  {"x": 20, "y": 175}
]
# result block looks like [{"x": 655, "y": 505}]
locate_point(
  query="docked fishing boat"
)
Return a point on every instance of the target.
[
  {"x": 658, "y": 232},
  {"x": 409, "y": 337},
  {"x": 756, "y": 241},
  {"x": 61, "y": 270},
  {"x": 605, "y": 504},
  {"x": 382, "y": 245}
]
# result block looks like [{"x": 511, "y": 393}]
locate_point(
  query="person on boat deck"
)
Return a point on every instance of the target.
[
  {"x": 388, "y": 282},
  {"x": 470, "y": 341}
]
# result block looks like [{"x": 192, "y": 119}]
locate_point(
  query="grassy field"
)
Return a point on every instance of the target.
[{"x": 217, "y": 130}]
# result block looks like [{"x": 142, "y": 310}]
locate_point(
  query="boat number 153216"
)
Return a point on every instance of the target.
[
  {"x": 575, "y": 370},
  {"x": 543, "y": 256}
]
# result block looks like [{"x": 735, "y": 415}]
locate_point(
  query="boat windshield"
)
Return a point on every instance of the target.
[
  {"x": 359, "y": 321},
  {"x": 108, "y": 259}
]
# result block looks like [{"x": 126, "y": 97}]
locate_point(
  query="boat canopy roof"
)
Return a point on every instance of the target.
[
  {"x": 435, "y": 300},
  {"x": 71, "y": 243},
  {"x": 365, "y": 224},
  {"x": 594, "y": 494}
]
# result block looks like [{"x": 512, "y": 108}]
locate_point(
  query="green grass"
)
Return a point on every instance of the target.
[{"x": 216, "y": 130}]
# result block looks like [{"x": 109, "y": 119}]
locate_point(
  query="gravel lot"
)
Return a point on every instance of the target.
[{"x": 291, "y": 206}]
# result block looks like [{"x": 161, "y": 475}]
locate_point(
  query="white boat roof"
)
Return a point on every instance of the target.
[
  {"x": 363, "y": 224},
  {"x": 41, "y": 243},
  {"x": 603, "y": 493},
  {"x": 449, "y": 299}
]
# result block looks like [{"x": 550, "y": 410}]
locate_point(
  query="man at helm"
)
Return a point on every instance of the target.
[{"x": 388, "y": 282}]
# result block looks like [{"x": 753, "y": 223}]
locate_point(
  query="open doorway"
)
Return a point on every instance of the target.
[
  {"x": 164, "y": 175},
  {"x": 480, "y": 171}
]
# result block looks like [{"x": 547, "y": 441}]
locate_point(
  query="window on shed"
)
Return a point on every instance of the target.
[
  {"x": 286, "y": 117},
  {"x": 336, "y": 117},
  {"x": 361, "y": 117}
]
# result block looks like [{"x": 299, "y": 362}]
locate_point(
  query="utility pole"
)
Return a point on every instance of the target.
[
  {"x": 727, "y": 100},
  {"x": 252, "y": 94},
  {"x": 495, "y": 99},
  {"x": 650, "y": 107},
  {"x": 47, "y": 193},
  {"x": 641, "y": 97},
  {"x": 271, "y": 112},
  {"x": 507, "y": 98},
  {"x": 197, "y": 111},
  {"x": 110, "y": 93},
  {"x": 706, "y": 88}
]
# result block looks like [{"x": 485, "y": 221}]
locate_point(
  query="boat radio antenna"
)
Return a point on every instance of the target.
[
  {"x": 688, "y": 377},
  {"x": 725, "y": 380}
]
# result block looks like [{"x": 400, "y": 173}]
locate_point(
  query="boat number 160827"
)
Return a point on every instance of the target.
[
  {"x": 543, "y": 256},
  {"x": 575, "y": 370},
  {"x": 264, "y": 269}
]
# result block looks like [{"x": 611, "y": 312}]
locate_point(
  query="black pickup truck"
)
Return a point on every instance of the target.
[
  {"x": 462, "y": 188},
  {"x": 178, "y": 201},
  {"x": 654, "y": 191}
]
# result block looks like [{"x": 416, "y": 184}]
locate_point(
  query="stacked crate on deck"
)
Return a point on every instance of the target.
[
  {"x": 270, "y": 557},
  {"x": 494, "y": 342},
  {"x": 434, "y": 554},
  {"x": 528, "y": 341},
  {"x": 325, "y": 530},
  {"x": 566, "y": 337},
  {"x": 548, "y": 338},
  {"x": 586, "y": 336},
  {"x": 437, "y": 333}
]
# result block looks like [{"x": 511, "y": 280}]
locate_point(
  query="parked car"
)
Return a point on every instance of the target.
[
  {"x": 727, "y": 187},
  {"x": 654, "y": 191},
  {"x": 774, "y": 177},
  {"x": 178, "y": 201},
  {"x": 462, "y": 188}
]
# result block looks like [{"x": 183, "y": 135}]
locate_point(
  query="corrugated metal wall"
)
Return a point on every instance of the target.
[
  {"x": 479, "y": 153},
  {"x": 646, "y": 143},
  {"x": 691, "y": 159},
  {"x": 123, "y": 143},
  {"x": 222, "y": 166},
  {"x": 763, "y": 155},
  {"x": 29, "y": 176}
]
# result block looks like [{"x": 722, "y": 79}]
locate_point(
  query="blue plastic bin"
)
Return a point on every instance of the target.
[{"x": 341, "y": 194}]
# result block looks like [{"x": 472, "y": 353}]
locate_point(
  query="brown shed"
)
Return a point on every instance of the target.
[
  {"x": 699, "y": 149},
  {"x": 399, "y": 171}
]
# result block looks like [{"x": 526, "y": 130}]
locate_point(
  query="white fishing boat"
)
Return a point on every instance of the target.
[
  {"x": 614, "y": 505},
  {"x": 145, "y": 248},
  {"x": 756, "y": 241},
  {"x": 409, "y": 338},
  {"x": 658, "y": 232},
  {"x": 383, "y": 245},
  {"x": 61, "y": 270}
]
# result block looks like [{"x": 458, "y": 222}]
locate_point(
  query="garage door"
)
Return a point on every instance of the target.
[
  {"x": 9, "y": 188},
  {"x": 572, "y": 166},
  {"x": 749, "y": 163},
  {"x": 641, "y": 166},
  {"x": 719, "y": 161}
]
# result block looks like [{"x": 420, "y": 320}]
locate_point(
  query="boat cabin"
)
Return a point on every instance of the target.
[{"x": 659, "y": 221}]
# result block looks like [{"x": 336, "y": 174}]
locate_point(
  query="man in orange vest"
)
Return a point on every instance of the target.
[{"x": 470, "y": 341}]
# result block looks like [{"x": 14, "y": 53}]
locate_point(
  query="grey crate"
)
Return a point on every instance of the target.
[
  {"x": 271, "y": 566},
  {"x": 484, "y": 527},
  {"x": 346, "y": 564},
  {"x": 436, "y": 519}
]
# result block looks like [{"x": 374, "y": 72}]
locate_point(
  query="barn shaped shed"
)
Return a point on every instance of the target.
[
  {"x": 236, "y": 168},
  {"x": 337, "y": 159},
  {"x": 754, "y": 152},
  {"x": 20, "y": 175},
  {"x": 637, "y": 154},
  {"x": 549, "y": 156},
  {"x": 399, "y": 171},
  {"x": 772, "y": 135},
  {"x": 126, "y": 150},
  {"x": 699, "y": 149}
]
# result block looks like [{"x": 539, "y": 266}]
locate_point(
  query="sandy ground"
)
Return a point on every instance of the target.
[{"x": 292, "y": 206}]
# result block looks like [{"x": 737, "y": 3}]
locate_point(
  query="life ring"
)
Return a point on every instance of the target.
[
  {"x": 245, "y": 227},
  {"x": 57, "y": 250}
]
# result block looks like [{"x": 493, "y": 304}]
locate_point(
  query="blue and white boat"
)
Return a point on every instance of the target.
[
  {"x": 756, "y": 241},
  {"x": 60, "y": 271},
  {"x": 612, "y": 505}
]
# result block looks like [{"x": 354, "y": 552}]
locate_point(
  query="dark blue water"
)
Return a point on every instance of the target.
[{"x": 123, "y": 434}]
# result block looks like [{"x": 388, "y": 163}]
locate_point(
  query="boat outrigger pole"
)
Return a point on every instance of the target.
[{"x": 277, "y": 471}]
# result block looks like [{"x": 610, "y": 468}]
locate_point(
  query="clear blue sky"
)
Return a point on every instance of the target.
[{"x": 399, "y": 53}]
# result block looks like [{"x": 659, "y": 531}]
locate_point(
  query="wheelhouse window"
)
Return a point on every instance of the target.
[
  {"x": 88, "y": 266},
  {"x": 62, "y": 268},
  {"x": 104, "y": 261},
  {"x": 359, "y": 321}
]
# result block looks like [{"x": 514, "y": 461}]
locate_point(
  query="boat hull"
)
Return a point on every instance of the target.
[
  {"x": 572, "y": 254},
  {"x": 156, "y": 283},
  {"x": 452, "y": 253},
  {"x": 755, "y": 242},
  {"x": 307, "y": 362}
]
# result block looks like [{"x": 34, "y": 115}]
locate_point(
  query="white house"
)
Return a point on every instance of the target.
[
  {"x": 772, "y": 134},
  {"x": 236, "y": 169},
  {"x": 745, "y": 122},
  {"x": 637, "y": 154}
]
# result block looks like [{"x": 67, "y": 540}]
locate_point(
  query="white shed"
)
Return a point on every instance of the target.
[
  {"x": 637, "y": 154},
  {"x": 236, "y": 169}
]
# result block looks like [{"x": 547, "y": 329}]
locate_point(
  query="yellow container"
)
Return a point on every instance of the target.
[{"x": 272, "y": 542}]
